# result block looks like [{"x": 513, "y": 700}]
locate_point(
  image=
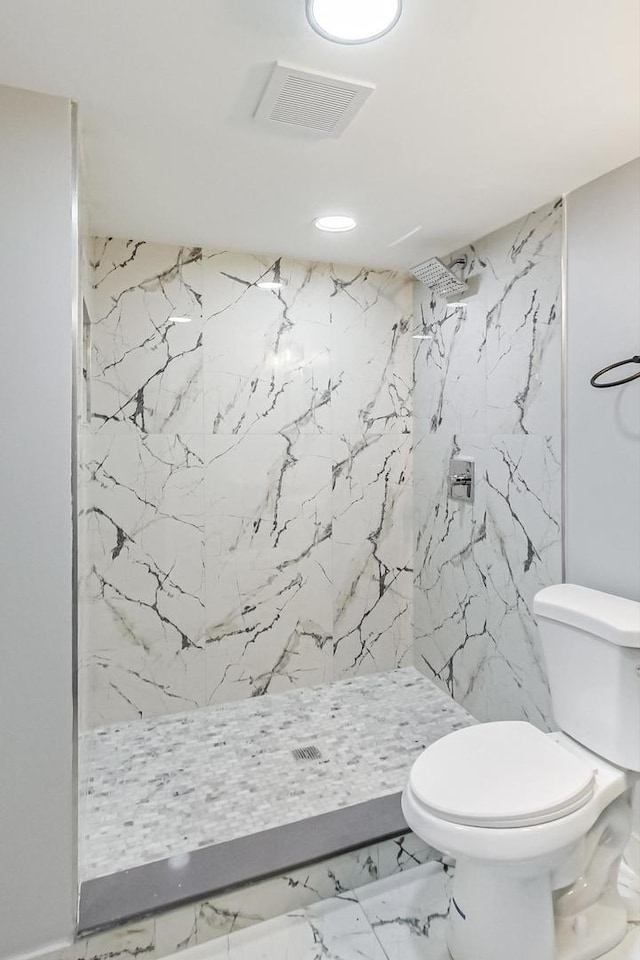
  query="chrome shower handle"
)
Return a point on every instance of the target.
[{"x": 461, "y": 479}]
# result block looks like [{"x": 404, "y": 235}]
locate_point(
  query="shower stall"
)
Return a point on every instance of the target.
[{"x": 279, "y": 605}]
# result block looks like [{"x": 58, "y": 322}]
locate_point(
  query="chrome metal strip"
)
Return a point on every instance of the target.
[
  {"x": 76, "y": 333},
  {"x": 563, "y": 391}
]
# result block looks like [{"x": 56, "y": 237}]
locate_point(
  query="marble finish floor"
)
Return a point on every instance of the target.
[
  {"x": 152, "y": 789},
  {"x": 399, "y": 918}
]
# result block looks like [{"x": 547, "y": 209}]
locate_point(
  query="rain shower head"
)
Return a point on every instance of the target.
[{"x": 442, "y": 281}]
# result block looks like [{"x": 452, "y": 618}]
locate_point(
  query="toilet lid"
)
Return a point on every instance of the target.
[{"x": 505, "y": 774}]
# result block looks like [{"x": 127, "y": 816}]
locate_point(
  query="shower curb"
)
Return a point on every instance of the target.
[{"x": 132, "y": 894}]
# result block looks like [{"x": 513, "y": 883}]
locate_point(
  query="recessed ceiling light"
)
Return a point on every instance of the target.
[
  {"x": 353, "y": 21},
  {"x": 179, "y": 319},
  {"x": 335, "y": 224},
  {"x": 269, "y": 285}
]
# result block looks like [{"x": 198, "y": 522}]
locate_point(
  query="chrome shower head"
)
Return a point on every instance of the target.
[{"x": 442, "y": 281}]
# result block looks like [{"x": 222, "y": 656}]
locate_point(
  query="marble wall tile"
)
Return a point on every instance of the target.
[
  {"x": 267, "y": 492},
  {"x": 409, "y": 914},
  {"x": 246, "y": 477},
  {"x": 215, "y": 919},
  {"x": 335, "y": 929},
  {"x": 142, "y": 589},
  {"x": 268, "y": 622},
  {"x": 372, "y": 573},
  {"x": 449, "y": 369},
  {"x": 406, "y": 916},
  {"x": 487, "y": 386},
  {"x": 267, "y": 369},
  {"x": 522, "y": 479},
  {"x": 124, "y": 943},
  {"x": 521, "y": 288},
  {"x": 450, "y": 602},
  {"x": 269, "y": 563},
  {"x": 371, "y": 354},
  {"x": 145, "y": 371},
  {"x": 208, "y": 920}
]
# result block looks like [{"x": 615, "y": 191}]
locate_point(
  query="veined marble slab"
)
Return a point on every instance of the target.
[
  {"x": 206, "y": 920},
  {"x": 335, "y": 930},
  {"x": 245, "y": 478},
  {"x": 488, "y": 387},
  {"x": 399, "y": 918}
]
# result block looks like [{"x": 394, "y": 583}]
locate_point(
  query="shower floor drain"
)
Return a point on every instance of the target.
[{"x": 307, "y": 753}]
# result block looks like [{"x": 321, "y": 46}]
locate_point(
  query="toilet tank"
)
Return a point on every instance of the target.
[{"x": 591, "y": 646}]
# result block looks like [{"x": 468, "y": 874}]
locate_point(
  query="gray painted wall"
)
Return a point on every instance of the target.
[
  {"x": 37, "y": 842},
  {"x": 603, "y": 426}
]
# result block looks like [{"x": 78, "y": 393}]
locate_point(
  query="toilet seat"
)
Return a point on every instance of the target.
[{"x": 501, "y": 775}]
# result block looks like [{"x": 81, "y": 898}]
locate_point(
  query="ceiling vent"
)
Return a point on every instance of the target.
[{"x": 315, "y": 102}]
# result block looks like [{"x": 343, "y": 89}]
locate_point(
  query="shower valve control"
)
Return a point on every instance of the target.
[{"x": 461, "y": 480}]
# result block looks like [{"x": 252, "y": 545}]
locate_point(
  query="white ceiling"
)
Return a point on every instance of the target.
[{"x": 483, "y": 110}]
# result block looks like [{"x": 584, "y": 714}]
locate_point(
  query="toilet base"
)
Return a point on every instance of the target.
[
  {"x": 599, "y": 929},
  {"x": 498, "y": 913}
]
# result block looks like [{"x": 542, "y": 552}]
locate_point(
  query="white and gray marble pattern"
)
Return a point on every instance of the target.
[
  {"x": 145, "y": 370},
  {"x": 245, "y": 478},
  {"x": 487, "y": 386},
  {"x": 402, "y": 917}
]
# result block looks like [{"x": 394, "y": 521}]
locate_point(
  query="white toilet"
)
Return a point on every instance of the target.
[{"x": 537, "y": 822}]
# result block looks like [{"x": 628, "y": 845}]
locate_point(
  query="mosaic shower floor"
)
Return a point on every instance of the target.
[{"x": 156, "y": 788}]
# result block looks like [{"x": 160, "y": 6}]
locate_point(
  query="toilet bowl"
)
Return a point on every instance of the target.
[
  {"x": 514, "y": 807},
  {"x": 537, "y": 822}
]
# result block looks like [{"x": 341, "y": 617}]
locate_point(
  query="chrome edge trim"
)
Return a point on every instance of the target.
[
  {"x": 76, "y": 354},
  {"x": 563, "y": 388}
]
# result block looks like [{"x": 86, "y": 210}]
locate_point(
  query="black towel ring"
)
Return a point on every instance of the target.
[{"x": 612, "y": 366}]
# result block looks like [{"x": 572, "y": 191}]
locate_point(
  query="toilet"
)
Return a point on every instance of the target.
[{"x": 537, "y": 822}]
